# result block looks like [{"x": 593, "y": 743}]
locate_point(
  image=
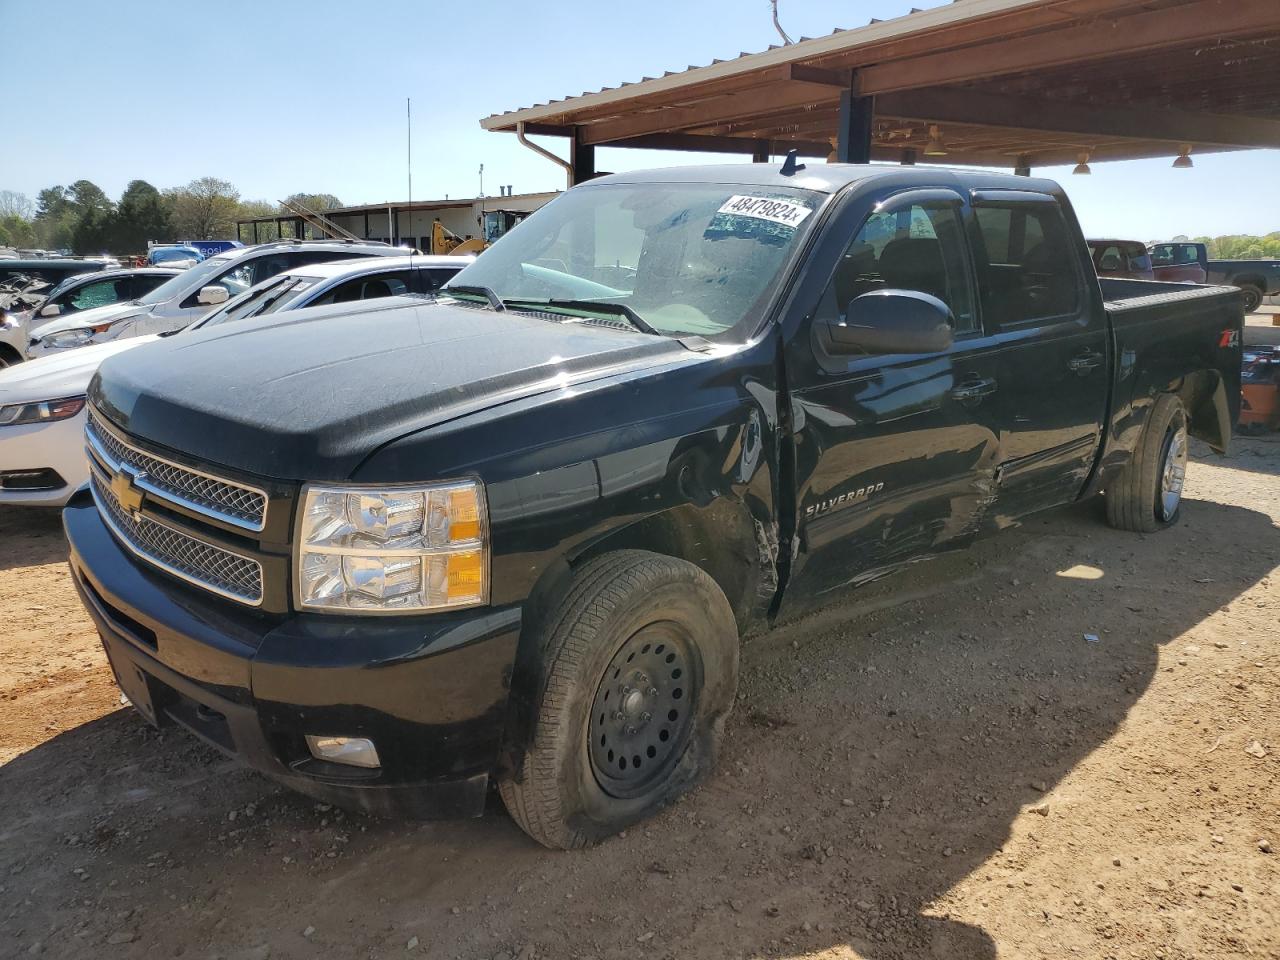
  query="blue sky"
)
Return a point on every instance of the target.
[{"x": 288, "y": 96}]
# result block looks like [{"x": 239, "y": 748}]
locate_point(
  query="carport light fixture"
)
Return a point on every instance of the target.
[
  {"x": 1183, "y": 160},
  {"x": 1082, "y": 168},
  {"x": 935, "y": 147}
]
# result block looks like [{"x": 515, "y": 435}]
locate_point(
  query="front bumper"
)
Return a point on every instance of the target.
[
  {"x": 57, "y": 446},
  {"x": 430, "y": 692}
]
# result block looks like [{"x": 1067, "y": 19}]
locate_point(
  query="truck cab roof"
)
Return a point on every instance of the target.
[{"x": 833, "y": 177}]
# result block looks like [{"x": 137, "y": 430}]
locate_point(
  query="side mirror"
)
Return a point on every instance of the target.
[
  {"x": 50, "y": 310},
  {"x": 890, "y": 321},
  {"x": 212, "y": 296}
]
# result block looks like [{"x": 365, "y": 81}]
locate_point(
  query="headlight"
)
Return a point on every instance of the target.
[
  {"x": 43, "y": 411},
  {"x": 67, "y": 338},
  {"x": 393, "y": 549}
]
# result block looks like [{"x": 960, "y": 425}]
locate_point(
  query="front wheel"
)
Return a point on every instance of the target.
[
  {"x": 1147, "y": 494},
  {"x": 635, "y": 675}
]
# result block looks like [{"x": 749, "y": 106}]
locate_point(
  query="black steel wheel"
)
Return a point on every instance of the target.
[
  {"x": 619, "y": 698},
  {"x": 643, "y": 710}
]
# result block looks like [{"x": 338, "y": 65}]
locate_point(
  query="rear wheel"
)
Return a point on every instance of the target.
[
  {"x": 1252, "y": 298},
  {"x": 8, "y": 357},
  {"x": 635, "y": 676},
  {"x": 1147, "y": 495}
]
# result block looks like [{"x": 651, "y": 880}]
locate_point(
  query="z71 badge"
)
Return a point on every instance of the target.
[{"x": 844, "y": 500}]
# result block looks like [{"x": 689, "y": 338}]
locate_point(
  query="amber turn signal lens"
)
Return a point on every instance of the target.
[{"x": 464, "y": 515}]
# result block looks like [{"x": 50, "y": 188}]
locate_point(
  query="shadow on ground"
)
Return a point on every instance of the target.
[
  {"x": 30, "y": 536},
  {"x": 880, "y": 754}
]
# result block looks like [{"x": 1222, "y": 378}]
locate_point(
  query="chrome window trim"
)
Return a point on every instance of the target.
[
  {"x": 125, "y": 541},
  {"x": 95, "y": 423}
]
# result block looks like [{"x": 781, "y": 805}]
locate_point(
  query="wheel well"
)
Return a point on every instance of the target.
[
  {"x": 721, "y": 538},
  {"x": 9, "y": 354},
  {"x": 1250, "y": 280}
]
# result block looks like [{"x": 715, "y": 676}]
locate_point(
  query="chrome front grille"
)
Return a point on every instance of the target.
[
  {"x": 215, "y": 569},
  {"x": 235, "y": 503}
]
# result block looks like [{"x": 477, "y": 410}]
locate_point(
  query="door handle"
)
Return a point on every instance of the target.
[
  {"x": 1085, "y": 363},
  {"x": 974, "y": 389}
]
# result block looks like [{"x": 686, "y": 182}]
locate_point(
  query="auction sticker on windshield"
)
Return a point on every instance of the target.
[{"x": 767, "y": 208}]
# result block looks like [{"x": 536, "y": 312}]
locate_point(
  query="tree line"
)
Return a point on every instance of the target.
[
  {"x": 83, "y": 219},
  {"x": 1243, "y": 247}
]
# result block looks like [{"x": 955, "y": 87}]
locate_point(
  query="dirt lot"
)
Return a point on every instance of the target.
[{"x": 942, "y": 767}]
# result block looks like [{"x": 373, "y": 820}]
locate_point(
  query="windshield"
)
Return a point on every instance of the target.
[
  {"x": 267, "y": 297},
  {"x": 181, "y": 283},
  {"x": 686, "y": 258},
  {"x": 175, "y": 253}
]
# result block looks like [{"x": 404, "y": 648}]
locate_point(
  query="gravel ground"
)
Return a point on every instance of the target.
[{"x": 941, "y": 766}]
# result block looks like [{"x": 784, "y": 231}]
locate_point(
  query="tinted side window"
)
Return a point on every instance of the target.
[
  {"x": 99, "y": 294},
  {"x": 435, "y": 279},
  {"x": 1026, "y": 263},
  {"x": 367, "y": 288},
  {"x": 139, "y": 285},
  {"x": 919, "y": 248}
]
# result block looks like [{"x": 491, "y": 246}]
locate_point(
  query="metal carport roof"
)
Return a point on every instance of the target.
[{"x": 1005, "y": 82}]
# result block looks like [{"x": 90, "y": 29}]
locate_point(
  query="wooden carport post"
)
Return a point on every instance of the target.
[
  {"x": 761, "y": 152},
  {"x": 582, "y": 158},
  {"x": 853, "y": 143}
]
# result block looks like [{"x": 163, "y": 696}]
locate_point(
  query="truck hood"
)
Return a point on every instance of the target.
[
  {"x": 310, "y": 397},
  {"x": 87, "y": 318},
  {"x": 60, "y": 375}
]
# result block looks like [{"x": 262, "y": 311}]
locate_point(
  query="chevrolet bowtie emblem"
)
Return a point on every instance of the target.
[{"x": 127, "y": 495}]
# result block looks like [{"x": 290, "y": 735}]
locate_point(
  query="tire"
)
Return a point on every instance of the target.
[
  {"x": 1136, "y": 499},
  {"x": 1253, "y": 298},
  {"x": 8, "y": 358},
  {"x": 626, "y": 615}
]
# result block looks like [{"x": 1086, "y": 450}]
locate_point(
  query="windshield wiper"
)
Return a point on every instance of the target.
[
  {"x": 495, "y": 301},
  {"x": 599, "y": 306}
]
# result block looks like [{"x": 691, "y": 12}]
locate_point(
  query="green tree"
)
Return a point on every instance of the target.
[
  {"x": 86, "y": 196},
  {"x": 205, "y": 209},
  {"x": 319, "y": 202},
  {"x": 92, "y": 229},
  {"x": 142, "y": 215},
  {"x": 52, "y": 202},
  {"x": 259, "y": 208}
]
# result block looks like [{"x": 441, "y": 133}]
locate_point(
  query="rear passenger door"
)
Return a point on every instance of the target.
[{"x": 1033, "y": 279}]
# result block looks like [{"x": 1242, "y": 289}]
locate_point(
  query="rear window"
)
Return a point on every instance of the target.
[{"x": 1027, "y": 261}]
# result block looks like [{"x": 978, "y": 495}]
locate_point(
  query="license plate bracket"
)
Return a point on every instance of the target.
[{"x": 135, "y": 685}]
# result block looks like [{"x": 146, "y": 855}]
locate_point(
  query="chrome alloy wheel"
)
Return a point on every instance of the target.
[{"x": 1173, "y": 473}]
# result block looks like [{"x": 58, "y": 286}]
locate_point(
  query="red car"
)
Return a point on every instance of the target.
[{"x": 1127, "y": 259}]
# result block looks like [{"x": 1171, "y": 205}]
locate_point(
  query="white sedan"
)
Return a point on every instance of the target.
[{"x": 42, "y": 458}]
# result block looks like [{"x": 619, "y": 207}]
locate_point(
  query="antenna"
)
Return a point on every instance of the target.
[
  {"x": 786, "y": 40},
  {"x": 791, "y": 165},
  {"x": 408, "y": 121}
]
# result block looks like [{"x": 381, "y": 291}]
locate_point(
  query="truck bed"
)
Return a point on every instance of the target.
[{"x": 1158, "y": 326}]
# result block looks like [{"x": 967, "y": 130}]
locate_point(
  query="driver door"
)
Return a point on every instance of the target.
[{"x": 894, "y": 455}]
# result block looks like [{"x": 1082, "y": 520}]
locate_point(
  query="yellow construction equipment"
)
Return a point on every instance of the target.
[
  {"x": 444, "y": 240},
  {"x": 495, "y": 224}
]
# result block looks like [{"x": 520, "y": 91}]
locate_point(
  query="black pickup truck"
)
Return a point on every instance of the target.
[
  {"x": 515, "y": 535},
  {"x": 1184, "y": 261}
]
